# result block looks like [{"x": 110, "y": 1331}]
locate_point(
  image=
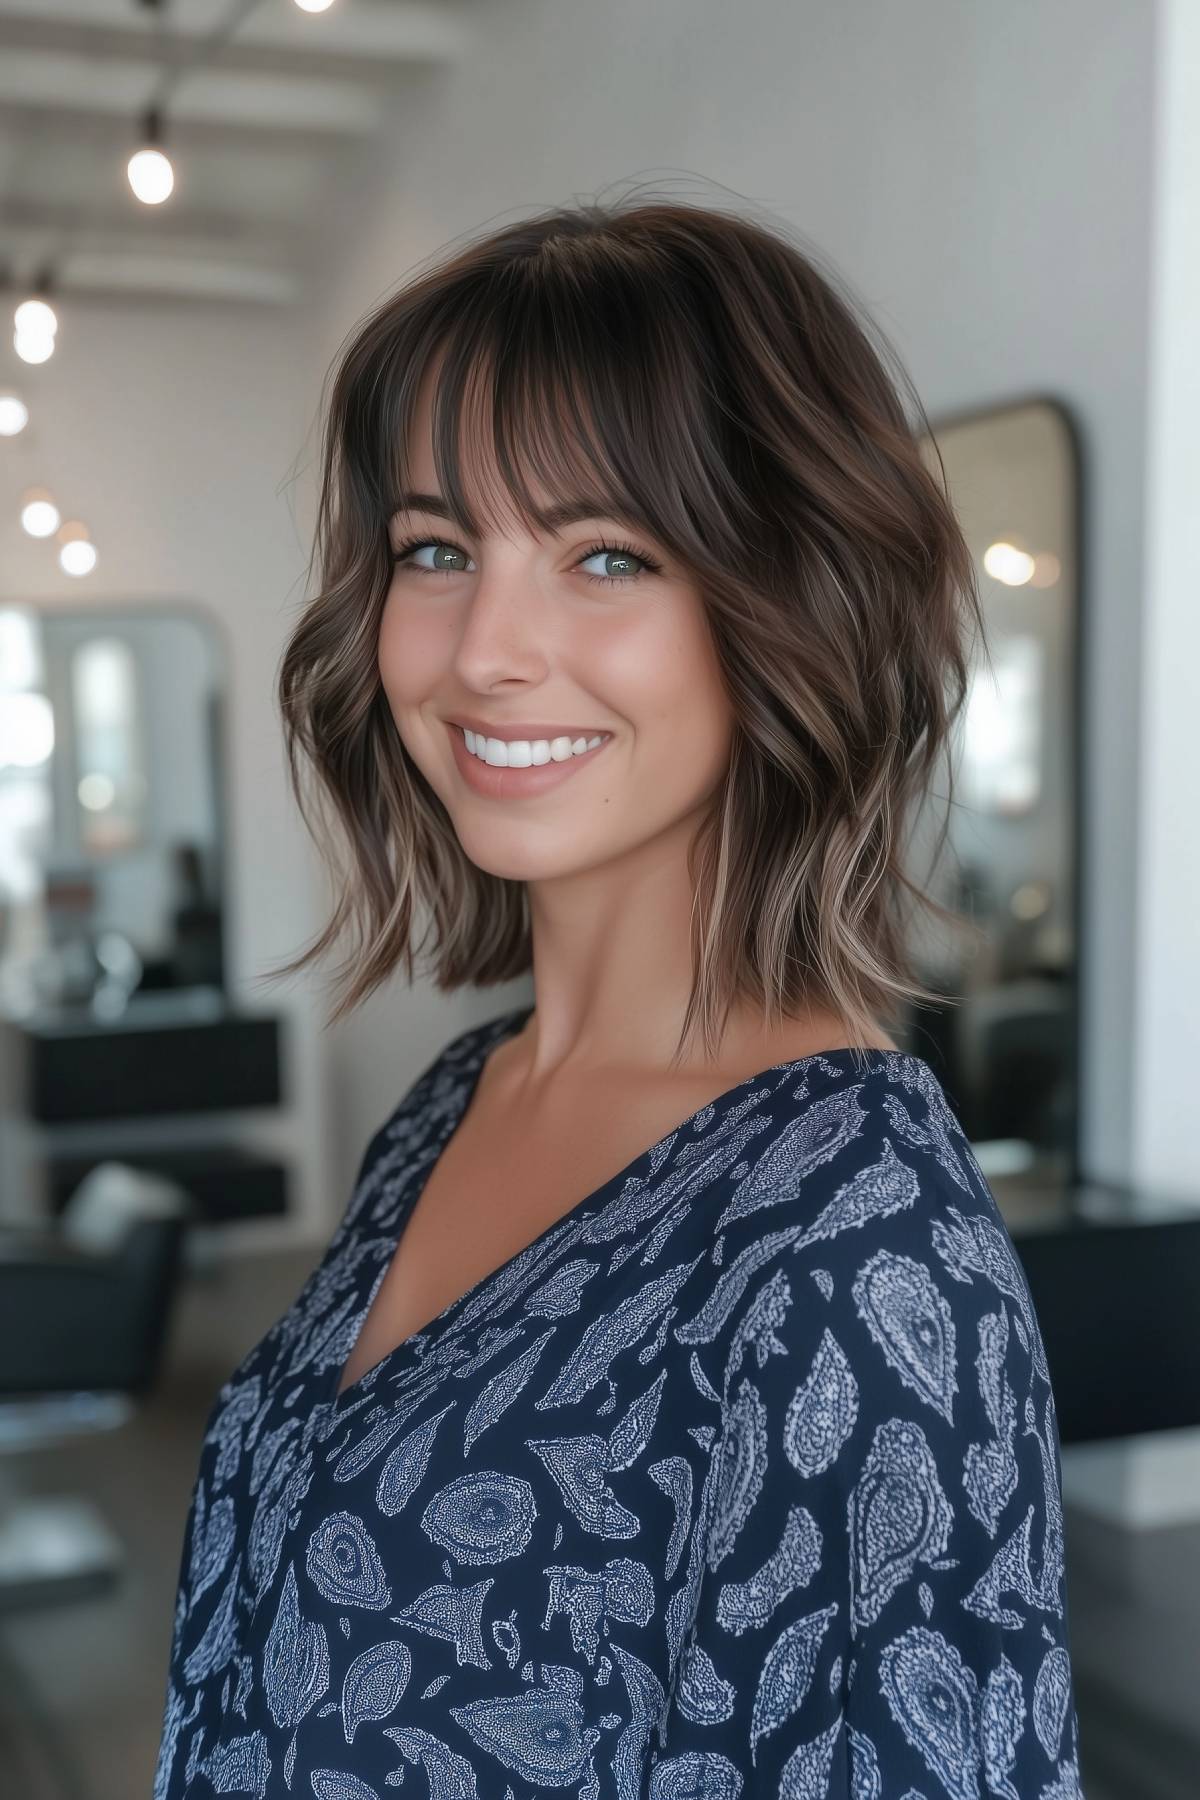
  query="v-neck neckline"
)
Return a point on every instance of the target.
[{"x": 490, "y": 1036}]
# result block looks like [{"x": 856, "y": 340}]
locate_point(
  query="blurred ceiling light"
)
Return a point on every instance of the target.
[
  {"x": 149, "y": 169},
  {"x": 39, "y": 515},
  {"x": 78, "y": 554},
  {"x": 14, "y": 415},
  {"x": 35, "y": 318},
  {"x": 33, "y": 348},
  {"x": 314, "y": 6},
  {"x": 78, "y": 558},
  {"x": 1004, "y": 562}
]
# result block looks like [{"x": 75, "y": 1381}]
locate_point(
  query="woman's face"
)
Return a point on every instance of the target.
[{"x": 549, "y": 637}]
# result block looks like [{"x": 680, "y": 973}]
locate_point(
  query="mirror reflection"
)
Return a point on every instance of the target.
[
  {"x": 1007, "y": 1047},
  {"x": 111, "y": 839}
]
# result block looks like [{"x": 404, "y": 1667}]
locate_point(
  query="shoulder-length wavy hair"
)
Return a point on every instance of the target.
[{"x": 689, "y": 371}]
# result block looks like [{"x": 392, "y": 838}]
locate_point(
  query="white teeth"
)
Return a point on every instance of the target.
[{"x": 520, "y": 753}]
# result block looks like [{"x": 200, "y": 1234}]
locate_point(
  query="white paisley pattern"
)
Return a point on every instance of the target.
[{"x": 741, "y": 1479}]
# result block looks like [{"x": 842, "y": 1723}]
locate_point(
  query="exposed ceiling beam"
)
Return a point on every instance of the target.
[
  {"x": 96, "y": 273},
  {"x": 143, "y": 228},
  {"x": 32, "y": 78},
  {"x": 270, "y": 111},
  {"x": 415, "y": 35}
]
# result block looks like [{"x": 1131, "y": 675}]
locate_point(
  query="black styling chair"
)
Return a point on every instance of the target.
[{"x": 84, "y": 1309}]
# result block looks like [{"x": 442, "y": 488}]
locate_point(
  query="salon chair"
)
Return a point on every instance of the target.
[{"x": 84, "y": 1310}]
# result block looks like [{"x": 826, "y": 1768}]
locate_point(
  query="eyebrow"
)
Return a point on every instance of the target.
[{"x": 567, "y": 512}]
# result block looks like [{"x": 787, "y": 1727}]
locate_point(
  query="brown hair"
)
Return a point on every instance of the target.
[{"x": 693, "y": 373}]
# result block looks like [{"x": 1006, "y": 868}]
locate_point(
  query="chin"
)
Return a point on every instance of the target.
[{"x": 516, "y": 861}]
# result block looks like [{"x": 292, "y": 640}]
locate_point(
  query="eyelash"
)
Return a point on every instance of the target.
[{"x": 651, "y": 567}]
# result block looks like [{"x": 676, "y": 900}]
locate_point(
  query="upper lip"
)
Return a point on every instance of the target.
[{"x": 508, "y": 732}]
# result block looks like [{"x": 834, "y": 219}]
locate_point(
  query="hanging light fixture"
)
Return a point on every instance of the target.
[
  {"x": 77, "y": 553},
  {"x": 39, "y": 515},
  {"x": 36, "y": 317},
  {"x": 14, "y": 414},
  {"x": 33, "y": 349},
  {"x": 35, "y": 323},
  {"x": 149, "y": 169}
]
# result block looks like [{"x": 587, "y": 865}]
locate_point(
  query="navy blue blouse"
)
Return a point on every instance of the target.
[{"x": 742, "y": 1478}]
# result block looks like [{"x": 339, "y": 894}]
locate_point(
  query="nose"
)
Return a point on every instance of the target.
[{"x": 507, "y": 626}]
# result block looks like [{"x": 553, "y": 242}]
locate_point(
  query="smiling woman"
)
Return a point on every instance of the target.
[
  {"x": 662, "y": 1422},
  {"x": 686, "y": 389}
]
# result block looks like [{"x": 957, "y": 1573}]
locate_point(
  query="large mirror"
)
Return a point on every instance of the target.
[
  {"x": 1007, "y": 1048},
  {"x": 111, "y": 806}
]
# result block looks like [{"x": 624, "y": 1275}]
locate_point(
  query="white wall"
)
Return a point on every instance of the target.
[
  {"x": 172, "y": 430},
  {"x": 1167, "y": 844},
  {"x": 980, "y": 174}
]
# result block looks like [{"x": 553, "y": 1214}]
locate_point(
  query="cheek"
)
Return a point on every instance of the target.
[
  {"x": 666, "y": 682},
  {"x": 672, "y": 676},
  {"x": 411, "y": 655}
]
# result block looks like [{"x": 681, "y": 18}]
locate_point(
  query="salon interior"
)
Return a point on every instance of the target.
[{"x": 198, "y": 199}]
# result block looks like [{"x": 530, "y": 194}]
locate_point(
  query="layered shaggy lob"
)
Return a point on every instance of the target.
[{"x": 695, "y": 374}]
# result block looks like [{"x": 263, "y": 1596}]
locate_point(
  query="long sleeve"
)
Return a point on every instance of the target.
[{"x": 882, "y": 1610}]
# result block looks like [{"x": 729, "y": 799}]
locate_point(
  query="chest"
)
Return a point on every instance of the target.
[{"x": 502, "y": 1180}]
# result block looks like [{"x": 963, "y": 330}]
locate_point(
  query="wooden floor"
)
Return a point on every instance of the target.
[{"x": 83, "y": 1682}]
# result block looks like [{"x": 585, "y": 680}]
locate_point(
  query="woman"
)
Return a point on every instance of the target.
[{"x": 728, "y": 1464}]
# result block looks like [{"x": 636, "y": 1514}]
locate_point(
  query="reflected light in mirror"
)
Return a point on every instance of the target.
[
  {"x": 1004, "y": 562},
  {"x": 26, "y": 730},
  {"x": 1031, "y": 900},
  {"x": 96, "y": 792},
  {"x": 1002, "y": 729},
  {"x": 1046, "y": 570},
  {"x": 20, "y": 650}
]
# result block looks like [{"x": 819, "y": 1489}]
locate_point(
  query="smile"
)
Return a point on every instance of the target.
[
  {"x": 525, "y": 753},
  {"x": 520, "y": 768}
]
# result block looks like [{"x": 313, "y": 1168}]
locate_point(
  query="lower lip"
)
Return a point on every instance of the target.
[{"x": 497, "y": 783}]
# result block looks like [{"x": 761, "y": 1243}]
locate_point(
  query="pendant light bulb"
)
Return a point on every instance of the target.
[
  {"x": 35, "y": 318},
  {"x": 35, "y": 323},
  {"x": 33, "y": 348},
  {"x": 77, "y": 557},
  {"x": 39, "y": 515},
  {"x": 14, "y": 415},
  {"x": 149, "y": 169},
  {"x": 77, "y": 553}
]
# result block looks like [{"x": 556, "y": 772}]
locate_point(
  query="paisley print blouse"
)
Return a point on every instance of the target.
[{"x": 743, "y": 1478}]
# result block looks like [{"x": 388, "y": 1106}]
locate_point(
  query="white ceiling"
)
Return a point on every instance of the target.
[{"x": 267, "y": 110}]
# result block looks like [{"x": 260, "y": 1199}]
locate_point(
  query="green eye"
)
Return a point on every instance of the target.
[
  {"x": 441, "y": 551},
  {"x": 624, "y": 559}
]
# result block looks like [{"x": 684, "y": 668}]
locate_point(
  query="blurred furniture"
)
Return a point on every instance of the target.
[
  {"x": 1115, "y": 1281},
  {"x": 84, "y": 1312},
  {"x": 149, "y": 1088}
]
